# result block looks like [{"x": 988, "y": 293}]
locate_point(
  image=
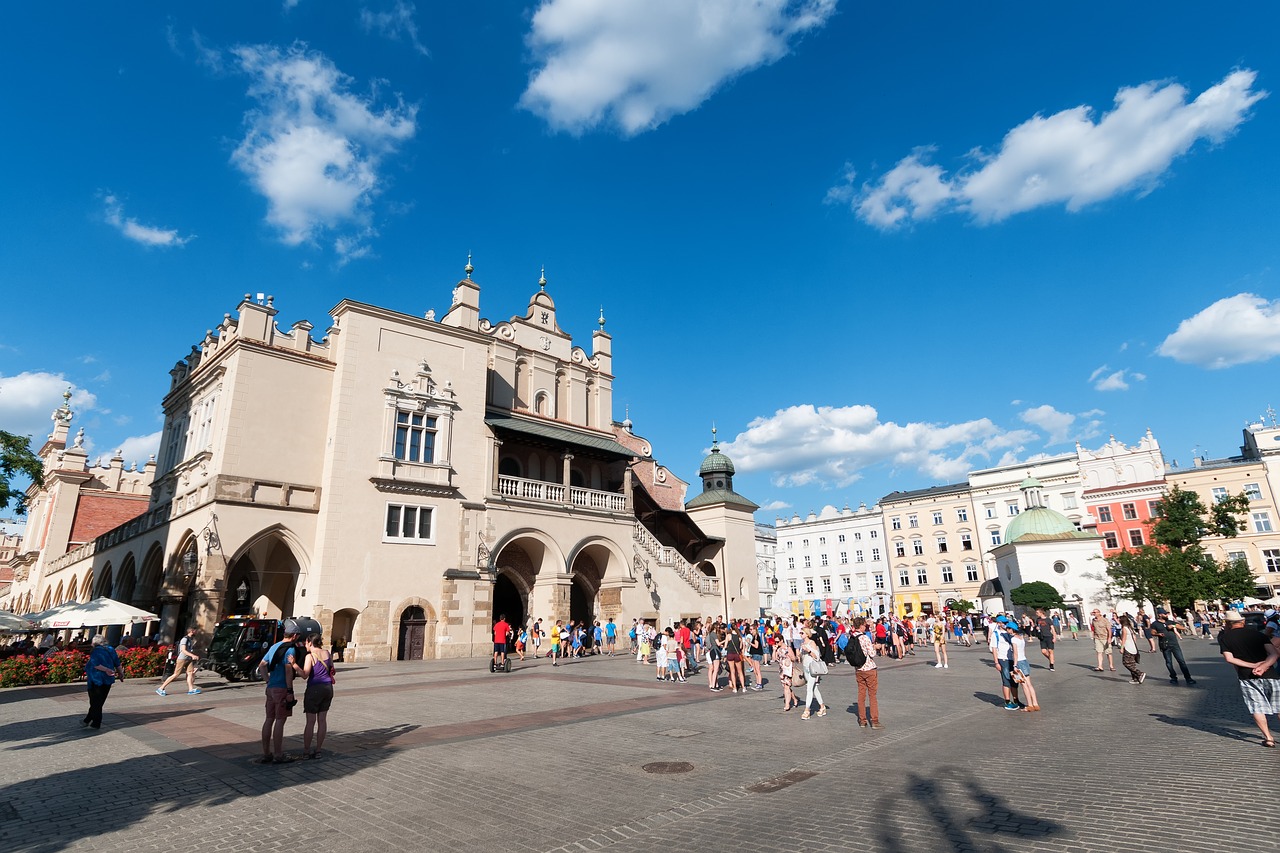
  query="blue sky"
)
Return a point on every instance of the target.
[{"x": 876, "y": 244}]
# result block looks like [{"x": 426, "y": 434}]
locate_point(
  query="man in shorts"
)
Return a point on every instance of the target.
[
  {"x": 1048, "y": 634},
  {"x": 501, "y": 630},
  {"x": 1253, "y": 656},
  {"x": 611, "y": 637},
  {"x": 277, "y": 666},
  {"x": 1100, "y": 630},
  {"x": 186, "y": 662},
  {"x": 554, "y": 654}
]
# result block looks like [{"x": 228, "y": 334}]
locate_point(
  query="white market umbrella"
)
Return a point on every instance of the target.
[
  {"x": 37, "y": 620},
  {"x": 14, "y": 622},
  {"x": 100, "y": 611}
]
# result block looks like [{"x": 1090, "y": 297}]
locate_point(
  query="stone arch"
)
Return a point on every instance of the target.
[
  {"x": 607, "y": 555},
  {"x": 343, "y": 629},
  {"x": 509, "y": 466},
  {"x": 707, "y": 567},
  {"x": 415, "y": 629},
  {"x": 86, "y": 586},
  {"x": 511, "y": 590},
  {"x": 57, "y": 596},
  {"x": 275, "y": 561},
  {"x": 147, "y": 593},
  {"x": 104, "y": 584},
  {"x": 541, "y": 549},
  {"x": 126, "y": 580},
  {"x": 48, "y": 599},
  {"x": 73, "y": 587}
]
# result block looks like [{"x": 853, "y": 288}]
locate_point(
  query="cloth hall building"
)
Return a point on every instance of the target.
[{"x": 403, "y": 479}]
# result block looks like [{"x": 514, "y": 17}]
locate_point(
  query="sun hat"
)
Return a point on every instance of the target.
[{"x": 1233, "y": 616}]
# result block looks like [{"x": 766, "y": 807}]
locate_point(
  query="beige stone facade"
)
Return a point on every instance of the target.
[{"x": 404, "y": 479}]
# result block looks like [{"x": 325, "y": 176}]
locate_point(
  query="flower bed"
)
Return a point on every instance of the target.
[{"x": 67, "y": 667}]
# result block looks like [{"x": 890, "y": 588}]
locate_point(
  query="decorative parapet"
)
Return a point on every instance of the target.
[{"x": 671, "y": 558}]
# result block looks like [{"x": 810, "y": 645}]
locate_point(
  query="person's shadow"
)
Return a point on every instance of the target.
[{"x": 1202, "y": 726}]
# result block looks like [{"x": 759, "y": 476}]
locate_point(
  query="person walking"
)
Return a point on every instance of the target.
[
  {"x": 814, "y": 669},
  {"x": 318, "y": 670},
  {"x": 938, "y": 630},
  {"x": 1100, "y": 630},
  {"x": 860, "y": 648},
  {"x": 1253, "y": 655},
  {"x": 1129, "y": 654},
  {"x": 1048, "y": 633},
  {"x": 101, "y": 671},
  {"x": 186, "y": 662},
  {"x": 1168, "y": 640}
]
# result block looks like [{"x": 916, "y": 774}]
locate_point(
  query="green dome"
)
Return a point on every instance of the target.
[
  {"x": 1030, "y": 483},
  {"x": 1039, "y": 522},
  {"x": 716, "y": 463}
]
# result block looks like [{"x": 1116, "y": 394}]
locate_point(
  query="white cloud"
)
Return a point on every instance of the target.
[
  {"x": 831, "y": 446},
  {"x": 27, "y": 401},
  {"x": 1237, "y": 330},
  {"x": 772, "y": 506},
  {"x": 313, "y": 148},
  {"x": 1117, "y": 380},
  {"x": 139, "y": 448},
  {"x": 396, "y": 23},
  {"x": 634, "y": 64},
  {"x": 147, "y": 235},
  {"x": 1063, "y": 426},
  {"x": 1066, "y": 158}
]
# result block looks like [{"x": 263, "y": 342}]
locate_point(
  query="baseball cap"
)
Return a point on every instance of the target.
[
  {"x": 1160, "y": 611},
  {"x": 1233, "y": 616}
]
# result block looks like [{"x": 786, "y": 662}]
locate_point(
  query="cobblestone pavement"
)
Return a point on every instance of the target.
[{"x": 441, "y": 755}]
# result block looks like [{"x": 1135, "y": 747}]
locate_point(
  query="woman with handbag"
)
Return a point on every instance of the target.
[
  {"x": 1129, "y": 654},
  {"x": 814, "y": 669},
  {"x": 1021, "y": 671}
]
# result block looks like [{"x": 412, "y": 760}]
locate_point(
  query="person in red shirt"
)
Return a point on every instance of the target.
[{"x": 501, "y": 630}]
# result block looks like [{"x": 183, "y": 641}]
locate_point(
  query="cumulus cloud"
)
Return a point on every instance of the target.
[
  {"x": 773, "y": 506},
  {"x": 1106, "y": 379},
  {"x": 139, "y": 448},
  {"x": 1237, "y": 330},
  {"x": 1066, "y": 158},
  {"x": 831, "y": 446},
  {"x": 147, "y": 235},
  {"x": 397, "y": 23},
  {"x": 1062, "y": 427},
  {"x": 27, "y": 401},
  {"x": 634, "y": 64},
  {"x": 313, "y": 148}
]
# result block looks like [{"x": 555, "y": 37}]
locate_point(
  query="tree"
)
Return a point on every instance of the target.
[
  {"x": 1176, "y": 568},
  {"x": 1036, "y": 594},
  {"x": 964, "y": 605},
  {"x": 17, "y": 460}
]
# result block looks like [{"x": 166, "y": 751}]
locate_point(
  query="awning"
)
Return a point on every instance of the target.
[{"x": 555, "y": 434}]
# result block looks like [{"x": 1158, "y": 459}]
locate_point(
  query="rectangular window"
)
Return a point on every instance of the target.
[
  {"x": 844, "y": 558},
  {"x": 824, "y": 559},
  {"x": 857, "y": 536},
  {"x": 1219, "y": 494},
  {"x": 1153, "y": 509},
  {"x": 1135, "y": 538},
  {"x": 846, "y": 583},
  {"x": 790, "y": 545},
  {"x": 826, "y": 585},
  {"x": 1130, "y": 512},
  {"x": 962, "y": 514},
  {"x": 913, "y": 521},
  {"x": 966, "y": 542},
  {"x": 409, "y": 524},
  {"x": 874, "y": 534},
  {"x": 1252, "y": 491},
  {"x": 1272, "y": 557},
  {"x": 917, "y": 547},
  {"x": 804, "y": 544},
  {"x": 862, "y": 583},
  {"x": 1233, "y": 556},
  {"x": 808, "y": 586},
  {"x": 791, "y": 562},
  {"x": 995, "y": 537},
  {"x": 875, "y": 555},
  {"x": 822, "y": 540},
  {"x": 878, "y": 580},
  {"x": 896, "y": 522},
  {"x": 937, "y": 517},
  {"x": 946, "y": 575},
  {"x": 922, "y": 577},
  {"x": 1110, "y": 540},
  {"x": 795, "y": 590},
  {"x": 857, "y": 556},
  {"x": 942, "y": 544},
  {"x": 904, "y": 577},
  {"x": 1068, "y": 500},
  {"x": 1261, "y": 522},
  {"x": 807, "y": 561},
  {"x": 840, "y": 538},
  {"x": 415, "y": 439},
  {"x": 900, "y": 548},
  {"x": 971, "y": 572},
  {"x": 1013, "y": 507},
  {"x": 1104, "y": 513}
]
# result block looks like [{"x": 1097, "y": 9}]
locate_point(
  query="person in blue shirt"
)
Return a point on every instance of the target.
[
  {"x": 278, "y": 666},
  {"x": 101, "y": 672},
  {"x": 611, "y": 637}
]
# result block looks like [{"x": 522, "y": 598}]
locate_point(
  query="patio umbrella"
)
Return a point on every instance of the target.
[
  {"x": 37, "y": 619},
  {"x": 100, "y": 611},
  {"x": 13, "y": 622}
]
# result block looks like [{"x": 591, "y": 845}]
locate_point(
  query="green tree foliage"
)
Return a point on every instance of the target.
[
  {"x": 17, "y": 461},
  {"x": 964, "y": 605},
  {"x": 1176, "y": 568},
  {"x": 1036, "y": 594}
]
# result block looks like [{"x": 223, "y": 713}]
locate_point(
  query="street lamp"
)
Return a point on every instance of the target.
[
  {"x": 774, "y": 581},
  {"x": 242, "y": 595},
  {"x": 648, "y": 578},
  {"x": 190, "y": 563}
]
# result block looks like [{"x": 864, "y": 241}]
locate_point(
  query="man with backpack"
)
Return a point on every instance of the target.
[
  {"x": 861, "y": 657},
  {"x": 277, "y": 667}
]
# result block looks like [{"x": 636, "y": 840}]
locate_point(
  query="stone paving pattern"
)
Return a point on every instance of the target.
[{"x": 442, "y": 755}]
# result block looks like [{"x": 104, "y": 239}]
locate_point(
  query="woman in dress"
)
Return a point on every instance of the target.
[
  {"x": 786, "y": 661},
  {"x": 318, "y": 671},
  {"x": 733, "y": 659}
]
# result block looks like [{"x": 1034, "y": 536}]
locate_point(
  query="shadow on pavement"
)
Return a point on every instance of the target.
[
  {"x": 989, "y": 698},
  {"x": 1204, "y": 726},
  {"x": 63, "y": 728},
  {"x": 157, "y": 782},
  {"x": 960, "y": 820},
  {"x": 11, "y": 695}
]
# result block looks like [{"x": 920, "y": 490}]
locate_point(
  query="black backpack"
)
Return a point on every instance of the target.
[{"x": 853, "y": 652}]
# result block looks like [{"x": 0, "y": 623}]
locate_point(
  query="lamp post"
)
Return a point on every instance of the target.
[{"x": 190, "y": 563}]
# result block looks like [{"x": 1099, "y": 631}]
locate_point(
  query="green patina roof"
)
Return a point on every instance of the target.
[
  {"x": 716, "y": 463},
  {"x": 719, "y": 496},
  {"x": 1039, "y": 524}
]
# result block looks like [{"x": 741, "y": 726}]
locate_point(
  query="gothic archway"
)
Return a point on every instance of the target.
[{"x": 509, "y": 600}]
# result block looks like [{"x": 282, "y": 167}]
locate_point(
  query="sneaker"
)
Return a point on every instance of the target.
[
  {"x": 877, "y": 725},
  {"x": 946, "y": 666},
  {"x": 160, "y": 692},
  {"x": 937, "y": 666},
  {"x": 1173, "y": 680},
  {"x": 759, "y": 687},
  {"x": 1051, "y": 669},
  {"x": 193, "y": 691},
  {"x": 1011, "y": 706},
  {"x": 1142, "y": 676},
  {"x": 1191, "y": 682}
]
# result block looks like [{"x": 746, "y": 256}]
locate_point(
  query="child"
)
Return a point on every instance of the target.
[
  {"x": 675, "y": 660},
  {"x": 786, "y": 669},
  {"x": 1022, "y": 669},
  {"x": 660, "y": 656}
]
